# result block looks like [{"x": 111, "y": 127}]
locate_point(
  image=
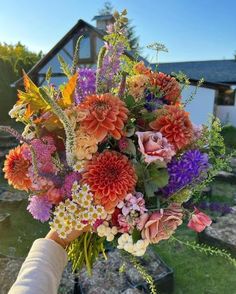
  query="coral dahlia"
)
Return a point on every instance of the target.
[
  {"x": 16, "y": 168},
  {"x": 174, "y": 123},
  {"x": 110, "y": 177},
  {"x": 106, "y": 116},
  {"x": 168, "y": 86}
]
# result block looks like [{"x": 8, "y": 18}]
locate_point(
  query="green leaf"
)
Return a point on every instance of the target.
[
  {"x": 149, "y": 116},
  {"x": 49, "y": 74},
  {"x": 158, "y": 176},
  {"x": 139, "y": 169},
  {"x": 150, "y": 188},
  {"x": 131, "y": 150},
  {"x": 136, "y": 235},
  {"x": 64, "y": 66},
  {"x": 129, "y": 101}
]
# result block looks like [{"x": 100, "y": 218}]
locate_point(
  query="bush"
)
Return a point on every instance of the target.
[{"x": 229, "y": 134}]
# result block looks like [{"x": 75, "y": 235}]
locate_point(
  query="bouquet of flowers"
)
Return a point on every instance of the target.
[{"x": 114, "y": 151}]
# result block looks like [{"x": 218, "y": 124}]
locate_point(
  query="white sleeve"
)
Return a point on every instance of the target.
[{"x": 42, "y": 270}]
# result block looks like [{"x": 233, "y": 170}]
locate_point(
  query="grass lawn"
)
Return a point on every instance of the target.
[
  {"x": 17, "y": 236},
  {"x": 194, "y": 272}
]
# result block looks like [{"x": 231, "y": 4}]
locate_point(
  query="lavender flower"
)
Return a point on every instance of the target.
[
  {"x": 40, "y": 208},
  {"x": 152, "y": 102},
  {"x": 222, "y": 208},
  {"x": 189, "y": 169},
  {"x": 110, "y": 66},
  {"x": 86, "y": 84}
]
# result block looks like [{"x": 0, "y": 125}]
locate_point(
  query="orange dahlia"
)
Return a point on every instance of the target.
[
  {"x": 111, "y": 177},
  {"x": 106, "y": 116},
  {"x": 140, "y": 68},
  {"x": 168, "y": 85},
  {"x": 16, "y": 169},
  {"x": 174, "y": 124}
]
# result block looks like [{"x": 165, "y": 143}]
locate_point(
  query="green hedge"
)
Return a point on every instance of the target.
[{"x": 229, "y": 134}]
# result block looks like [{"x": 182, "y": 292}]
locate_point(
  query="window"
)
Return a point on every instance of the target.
[
  {"x": 85, "y": 48},
  {"x": 226, "y": 97}
]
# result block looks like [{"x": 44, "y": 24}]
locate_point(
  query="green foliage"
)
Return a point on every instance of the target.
[
  {"x": 159, "y": 176},
  {"x": 133, "y": 39},
  {"x": 76, "y": 55},
  {"x": 64, "y": 66},
  {"x": 229, "y": 134},
  {"x": 70, "y": 135},
  {"x": 19, "y": 55},
  {"x": 212, "y": 142},
  {"x": 151, "y": 177},
  {"x": 85, "y": 250},
  {"x": 194, "y": 92},
  {"x": 196, "y": 273},
  {"x": 136, "y": 235},
  {"x": 107, "y": 9},
  {"x": 13, "y": 59},
  {"x": 48, "y": 74},
  {"x": 118, "y": 36},
  {"x": 129, "y": 101},
  {"x": 148, "y": 278},
  {"x": 130, "y": 149},
  {"x": 209, "y": 250}
]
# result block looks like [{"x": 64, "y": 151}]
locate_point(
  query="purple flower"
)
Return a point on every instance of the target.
[
  {"x": 69, "y": 180},
  {"x": 43, "y": 148},
  {"x": 110, "y": 66},
  {"x": 188, "y": 170},
  {"x": 85, "y": 84},
  {"x": 40, "y": 208},
  {"x": 219, "y": 207},
  {"x": 153, "y": 102}
]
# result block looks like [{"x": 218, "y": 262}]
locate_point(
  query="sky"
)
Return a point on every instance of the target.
[{"x": 190, "y": 29}]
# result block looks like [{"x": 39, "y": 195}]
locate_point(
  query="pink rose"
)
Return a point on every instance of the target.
[
  {"x": 199, "y": 221},
  {"x": 154, "y": 147},
  {"x": 162, "y": 224}
]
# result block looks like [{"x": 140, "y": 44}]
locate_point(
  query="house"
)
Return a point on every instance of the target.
[{"x": 217, "y": 89}]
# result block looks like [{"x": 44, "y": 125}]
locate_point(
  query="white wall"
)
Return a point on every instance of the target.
[
  {"x": 201, "y": 106},
  {"x": 227, "y": 114}
]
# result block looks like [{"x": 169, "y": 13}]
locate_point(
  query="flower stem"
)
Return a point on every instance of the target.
[{"x": 87, "y": 261}]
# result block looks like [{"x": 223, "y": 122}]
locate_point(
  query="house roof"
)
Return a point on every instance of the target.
[
  {"x": 55, "y": 50},
  {"x": 103, "y": 17},
  {"x": 213, "y": 71},
  {"x": 194, "y": 70}
]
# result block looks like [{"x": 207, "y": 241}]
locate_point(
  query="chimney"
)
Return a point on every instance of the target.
[{"x": 102, "y": 21}]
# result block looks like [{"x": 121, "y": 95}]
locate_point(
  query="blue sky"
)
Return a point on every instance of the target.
[{"x": 191, "y": 30}]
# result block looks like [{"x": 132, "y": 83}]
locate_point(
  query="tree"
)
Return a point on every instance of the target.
[
  {"x": 13, "y": 59},
  {"x": 108, "y": 9}
]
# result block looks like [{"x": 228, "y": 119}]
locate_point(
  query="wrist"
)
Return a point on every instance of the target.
[{"x": 53, "y": 235}]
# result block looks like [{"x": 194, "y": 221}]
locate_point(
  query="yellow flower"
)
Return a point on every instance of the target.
[{"x": 137, "y": 84}]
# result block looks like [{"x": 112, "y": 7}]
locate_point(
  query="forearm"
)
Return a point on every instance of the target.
[{"x": 42, "y": 270}]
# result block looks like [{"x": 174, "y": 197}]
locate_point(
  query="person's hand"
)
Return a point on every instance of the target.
[{"x": 53, "y": 235}]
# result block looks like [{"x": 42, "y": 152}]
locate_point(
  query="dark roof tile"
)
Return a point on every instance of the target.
[{"x": 215, "y": 71}]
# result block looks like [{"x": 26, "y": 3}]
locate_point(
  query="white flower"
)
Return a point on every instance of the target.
[{"x": 110, "y": 237}]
